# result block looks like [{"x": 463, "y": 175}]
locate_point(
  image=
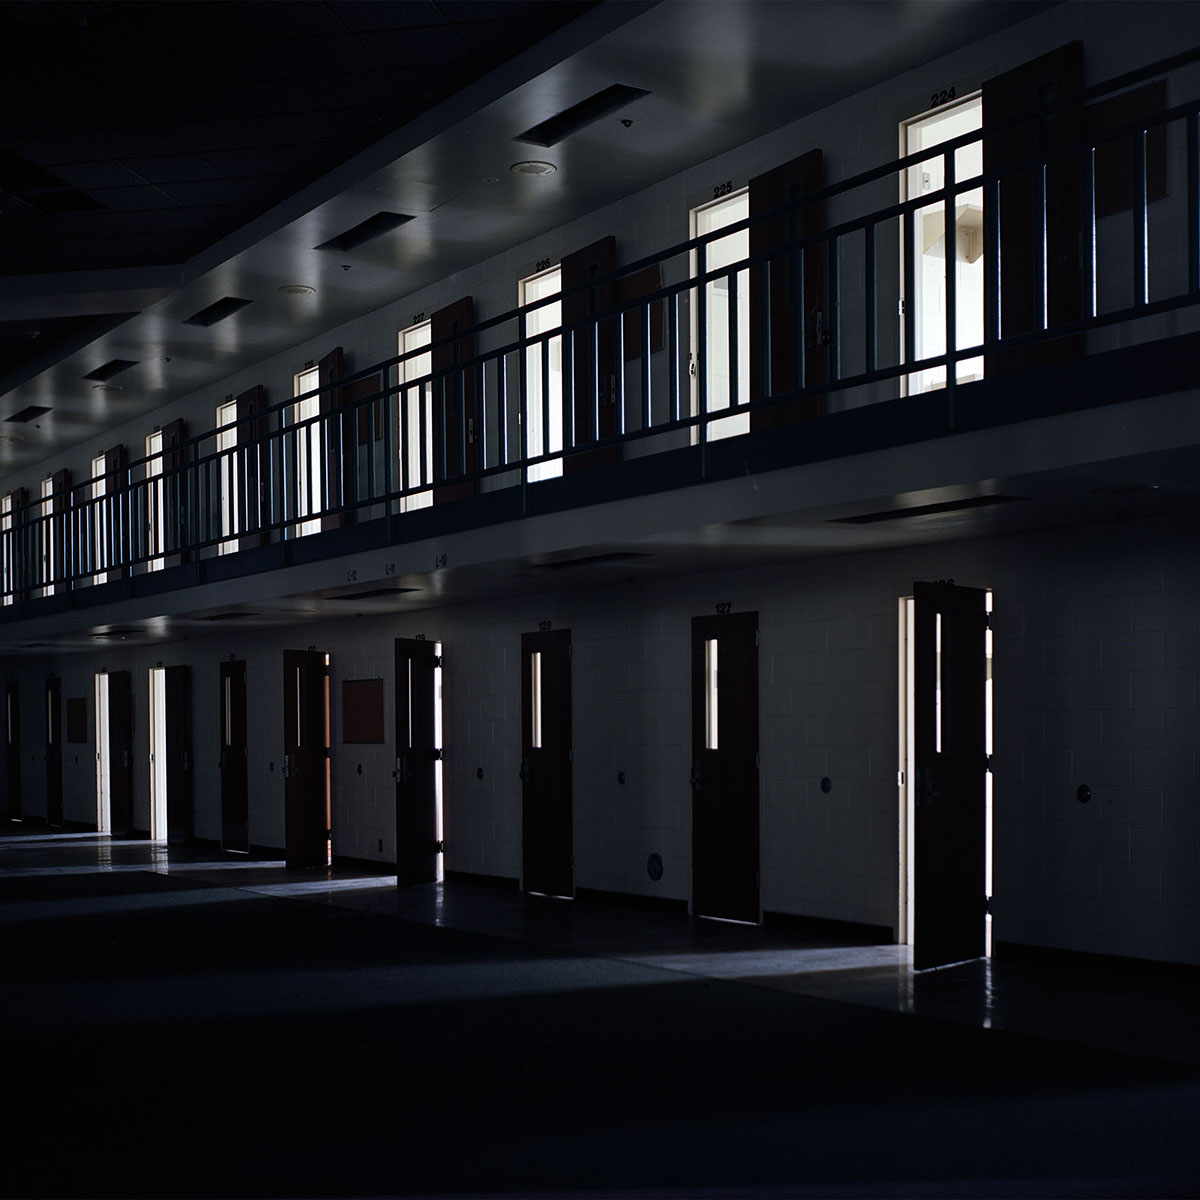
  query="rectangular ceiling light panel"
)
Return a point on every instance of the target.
[
  {"x": 553, "y": 130},
  {"x": 365, "y": 231}
]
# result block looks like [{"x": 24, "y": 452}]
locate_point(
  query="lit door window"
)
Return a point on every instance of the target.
[
  {"x": 156, "y": 532},
  {"x": 309, "y": 460},
  {"x": 228, "y": 481},
  {"x": 8, "y": 548},
  {"x": 48, "y": 540},
  {"x": 543, "y": 372},
  {"x": 925, "y": 294},
  {"x": 713, "y": 351},
  {"x": 416, "y": 416},
  {"x": 98, "y": 520}
]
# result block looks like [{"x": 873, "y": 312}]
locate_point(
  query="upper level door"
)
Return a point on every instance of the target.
[
  {"x": 950, "y": 747},
  {"x": 418, "y": 760},
  {"x": 548, "y": 832},
  {"x": 725, "y": 819},
  {"x": 306, "y": 758}
]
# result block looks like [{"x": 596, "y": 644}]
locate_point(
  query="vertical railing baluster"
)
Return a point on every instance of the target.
[
  {"x": 544, "y": 368},
  {"x": 991, "y": 258},
  {"x": 1040, "y": 283},
  {"x": 673, "y": 382},
  {"x": 502, "y": 408},
  {"x": 1193, "y": 203},
  {"x": 765, "y": 334},
  {"x": 731, "y": 316},
  {"x": 700, "y": 359},
  {"x": 834, "y": 322},
  {"x": 870, "y": 308},
  {"x": 647, "y": 374}
]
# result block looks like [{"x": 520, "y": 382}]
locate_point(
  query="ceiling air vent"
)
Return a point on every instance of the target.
[
  {"x": 552, "y": 131},
  {"x": 375, "y": 593},
  {"x": 36, "y": 187},
  {"x": 31, "y": 413},
  {"x": 114, "y": 367},
  {"x": 927, "y": 510},
  {"x": 591, "y": 560},
  {"x": 217, "y": 311},
  {"x": 365, "y": 231}
]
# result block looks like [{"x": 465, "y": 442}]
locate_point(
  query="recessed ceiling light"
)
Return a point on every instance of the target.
[
  {"x": 297, "y": 289},
  {"x": 533, "y": 168},
  {"x": 106, "y": 387}
]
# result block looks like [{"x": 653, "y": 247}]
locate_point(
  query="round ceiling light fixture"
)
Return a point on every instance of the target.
[
  {"x": 106, "y": 387},
  {"x": 297, "y": 289},
  {"x": 531, "y": 167}
]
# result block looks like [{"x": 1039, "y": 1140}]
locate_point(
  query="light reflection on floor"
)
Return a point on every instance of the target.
[{"x": 1136, "y": 1014}]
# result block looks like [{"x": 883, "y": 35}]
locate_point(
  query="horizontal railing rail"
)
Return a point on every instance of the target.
[{"x": 698, "y": 354}]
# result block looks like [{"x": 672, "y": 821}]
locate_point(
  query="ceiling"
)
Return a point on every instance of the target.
[{"x": 158, "y": 158}]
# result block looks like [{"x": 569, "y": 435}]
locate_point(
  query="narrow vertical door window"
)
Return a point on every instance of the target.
[
  {"x": 227, "y": 439},
  {"x": 156, "y": 529}
]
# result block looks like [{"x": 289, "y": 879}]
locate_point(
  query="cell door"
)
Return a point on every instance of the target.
[
  {"x": 306, "y": 758},
  {"x": 54, "y": 753},
  {"x": 418, "y": 758},
  {"x": 235, "y": 807},
  {"x": 1040, "y": 279},
  {"x": 120, "y": 752},
  {"x": 795, "y": 313},
  {"x": 12, "y": 747},
  {"x": 178, "y": 740},
  {"x": 725, "y": 823},
  {"x": 593, "y": 350},
  {"x": 547, "y": 839},
  {"x": 949, "y": 718},
  {"x": 455, "y": 415}
]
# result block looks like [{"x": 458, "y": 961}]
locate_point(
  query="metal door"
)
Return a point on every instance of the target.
[
  {"x": 306, "y": 758},
  {"x": 949, "y": 881},
  {"x": 546, "y": 763},
  {"x": 725, "y": 820},
  {"x": 417, "y": 756}
]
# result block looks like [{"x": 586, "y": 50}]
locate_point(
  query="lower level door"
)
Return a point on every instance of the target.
[
  {"x": 179, "y": 754},
  {"x": 418, "y": 753},
  {"x": 306, "y": 758},
  {"x": 949, "y": 715},
  {"x": 120, "y": 752},
  {"x": 54, "y": 752},
  {"x": 235, "y": 809},
  {"x": 548, "y": 853},
  {"x": 725, "y": 767},
  {"x": 12, "y": 747}
]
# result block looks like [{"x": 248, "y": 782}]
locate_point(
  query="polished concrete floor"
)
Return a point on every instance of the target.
[{"x": 182, "y": 1022}]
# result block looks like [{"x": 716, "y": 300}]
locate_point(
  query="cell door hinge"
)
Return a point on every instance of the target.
[
  {"x": 987, "y": 904},
  {"x": 440, "y": 847},
  {"x": 437, "y": 660},
  {"x": 988, "y": 764},
  {"x": 900, "y": 307},
  {"x": 989, "y": 620},
  {"x": 756, "y": 639}
]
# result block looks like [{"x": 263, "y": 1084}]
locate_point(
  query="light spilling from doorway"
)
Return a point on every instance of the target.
[
  {"x": 158, "y": 754},
  {"x": 103, "y": 771}
]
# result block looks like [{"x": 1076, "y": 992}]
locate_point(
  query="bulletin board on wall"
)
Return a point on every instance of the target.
[
  {"x": 77, "y": 722},
  {"x": 362, "y": 711}
]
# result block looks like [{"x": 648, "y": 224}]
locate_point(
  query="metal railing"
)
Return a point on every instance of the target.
[{"x": 646, "y": 370}]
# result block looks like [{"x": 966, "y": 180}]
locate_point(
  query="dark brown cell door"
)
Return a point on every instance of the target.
[
  {"x": 455, "y": 416},
  {"x": 306, "y": 758},
  {"x": 593, "y": 350},
  {"x": 417, "y": 757},
  {"x": 789, "y": 327},
  {"x": 547, "y": 805},
  {"x": 12, "y": 747},
  {"x": 949, "y": 669},
  {"x": 178, "y": 697},
  {"x": 1024, "y": 92},
  {"x": 54, "y": 753},
  {"x": 235, "y": 800},
  {"x": 725, "y": 820},
  {"x": 120, "y": 752},
  {"x": 177, "y": 530}
]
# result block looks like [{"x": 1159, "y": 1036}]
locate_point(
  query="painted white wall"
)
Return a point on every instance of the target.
[{"x": 1096, "y": 660}]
